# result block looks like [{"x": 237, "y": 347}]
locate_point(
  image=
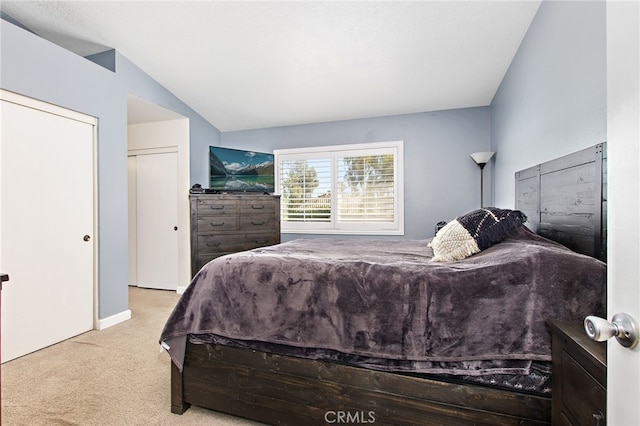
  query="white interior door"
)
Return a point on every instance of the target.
[
  {"x": 47, "y": 224},
  {"x": 623, "y": 140},
  {"x": 157, "y": 220}
]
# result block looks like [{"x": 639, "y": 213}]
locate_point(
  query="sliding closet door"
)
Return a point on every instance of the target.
[{"x": 47, "y": 224}]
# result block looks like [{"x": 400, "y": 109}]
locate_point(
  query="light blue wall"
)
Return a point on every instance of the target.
[
  {"x": 37, "y": 68},
  {"x": 552, "y": 100},
  {"x": 441, "y": 181},
  {"x": 201, "y": 132}
]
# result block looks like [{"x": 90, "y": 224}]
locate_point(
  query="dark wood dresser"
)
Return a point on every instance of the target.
[
  {"x": 227, "y": 223},
  {"x": 579, "y": 376}
]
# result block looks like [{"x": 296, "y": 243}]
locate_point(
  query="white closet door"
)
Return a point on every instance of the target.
[
  {"x": 47, "y": 226},
  {"x": 157, "y": 220}
]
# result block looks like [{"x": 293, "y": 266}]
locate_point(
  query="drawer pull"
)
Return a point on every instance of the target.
[
  {"x": 216, "y": 207},
  {"x": 216, "y": 224},
  {"x": 598, "y": 418},
  {"x": 216, "y": 244},
  {"x": 257, "y": 207},
  {"x": 258, "y": 223}
]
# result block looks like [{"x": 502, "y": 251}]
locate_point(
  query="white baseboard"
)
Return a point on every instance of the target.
[
  {"x": 113, "y": 320},
  {"x": 180, "y": 289}
]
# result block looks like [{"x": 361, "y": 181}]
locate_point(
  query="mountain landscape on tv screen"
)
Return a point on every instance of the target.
[{"x": 238, "y": 170}]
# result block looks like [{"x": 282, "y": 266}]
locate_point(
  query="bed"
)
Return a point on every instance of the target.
[{"x": 326, "y": 331}]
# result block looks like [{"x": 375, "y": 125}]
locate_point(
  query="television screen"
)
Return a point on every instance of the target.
[{"x": 239, "y": 170}]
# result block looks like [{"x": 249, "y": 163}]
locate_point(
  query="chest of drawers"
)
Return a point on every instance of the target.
[{"x": 227, "y": 223}]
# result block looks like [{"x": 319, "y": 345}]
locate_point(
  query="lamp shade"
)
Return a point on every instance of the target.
[{"x": 482, "y": 157}]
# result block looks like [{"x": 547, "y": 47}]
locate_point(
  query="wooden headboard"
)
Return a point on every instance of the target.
[{"x": 565, "y": 200}]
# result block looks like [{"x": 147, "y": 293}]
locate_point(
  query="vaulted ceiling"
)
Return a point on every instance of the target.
[{"x": 245, "y": 65}]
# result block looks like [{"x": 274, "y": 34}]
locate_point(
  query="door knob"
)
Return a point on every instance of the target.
[{"x": 622, "y": 327}]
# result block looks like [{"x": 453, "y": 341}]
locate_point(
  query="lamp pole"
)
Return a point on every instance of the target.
[
  {"x": 481, "y": 165},
  {"x": 481, "y": 159}
]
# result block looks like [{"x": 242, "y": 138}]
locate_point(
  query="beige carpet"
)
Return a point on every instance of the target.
[{"x": 116, "y": 376}]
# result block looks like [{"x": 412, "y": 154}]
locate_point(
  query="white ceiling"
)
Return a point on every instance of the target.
[{"x": 245, "y": 65}]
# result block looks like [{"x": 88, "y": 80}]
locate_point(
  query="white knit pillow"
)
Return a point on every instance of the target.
[{"x": 453, "y": 242}]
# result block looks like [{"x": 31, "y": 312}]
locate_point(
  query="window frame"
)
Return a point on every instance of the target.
[{"x": 333, "y": 152}]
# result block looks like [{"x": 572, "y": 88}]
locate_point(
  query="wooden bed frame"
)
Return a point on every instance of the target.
[
  {"x": 292, "y": 391},
  {"x": 564, "y": 200}
]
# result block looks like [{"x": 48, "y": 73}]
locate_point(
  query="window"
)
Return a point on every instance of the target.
[{"x": 343, "y": 189}]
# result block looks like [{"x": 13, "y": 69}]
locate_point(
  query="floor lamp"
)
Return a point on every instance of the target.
[{"x": 481, "y": 159}]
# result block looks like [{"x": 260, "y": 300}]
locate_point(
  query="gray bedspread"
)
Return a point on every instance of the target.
[{"x": 386, "y": 303}]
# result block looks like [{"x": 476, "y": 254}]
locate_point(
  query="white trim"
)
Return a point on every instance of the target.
[
  {"x": 107, "y": 322},
  {"x": 331, "y": 153},
  {"x": 96, "y": 230},
  {"x": 181, "y": 289},
  {"x": 346, "y": 147},
  {"x": 151, "y": 151},
  {"x": 46, "y": 107}
]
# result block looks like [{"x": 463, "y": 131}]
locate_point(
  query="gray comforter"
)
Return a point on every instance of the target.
[{"x": 387, "y": 305}]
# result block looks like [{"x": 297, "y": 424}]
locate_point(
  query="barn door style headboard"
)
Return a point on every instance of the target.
[{"x": 565, "y": 200}]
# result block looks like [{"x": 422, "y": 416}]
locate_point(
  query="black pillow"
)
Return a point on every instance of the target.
[{"x": 475, "y": 231}]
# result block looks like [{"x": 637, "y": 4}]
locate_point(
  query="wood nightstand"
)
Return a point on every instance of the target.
[{"x": 579, "y": 376}]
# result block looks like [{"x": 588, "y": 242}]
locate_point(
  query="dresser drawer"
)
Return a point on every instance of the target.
[
  {"x": 258, "y": 206},
  {"x": 234, "y": 242},
  {"x": 217, "y": 207},
  {"x": 260, "y": 239},
  {"x": 257, "y": 221},
  {"x": 209, "y": 224},
  {"x": 583, "y": 397},
  {"x": 202, "y": 260}
]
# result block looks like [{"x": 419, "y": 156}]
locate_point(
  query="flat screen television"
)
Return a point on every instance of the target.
[{"x": 236, "y": 170}]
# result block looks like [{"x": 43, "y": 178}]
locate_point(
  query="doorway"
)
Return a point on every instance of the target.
[{"x": 158, "y": 162}]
